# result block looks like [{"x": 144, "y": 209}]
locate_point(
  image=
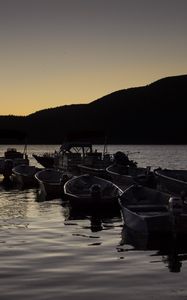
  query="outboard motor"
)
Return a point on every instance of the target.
[
  {"x": 175, "y": 205},
  {"x": 95, "y": 191},
  {"x": 121, "y": 158}
]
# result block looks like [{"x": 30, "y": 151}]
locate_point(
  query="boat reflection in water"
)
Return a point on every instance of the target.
[
  {"x": 99, "y": 220},
  {"x": 172, "y": 250}
]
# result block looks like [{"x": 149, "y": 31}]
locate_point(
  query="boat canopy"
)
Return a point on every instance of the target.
[{"x": 76, "y": 147}]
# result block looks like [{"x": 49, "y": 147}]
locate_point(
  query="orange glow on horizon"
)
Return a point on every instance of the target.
[
  {"x": 59, "y": 55},
  {"x": 25, "y": 102}
]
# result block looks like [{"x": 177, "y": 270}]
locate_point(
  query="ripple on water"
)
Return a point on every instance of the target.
[{"x": 45, "y": 254}]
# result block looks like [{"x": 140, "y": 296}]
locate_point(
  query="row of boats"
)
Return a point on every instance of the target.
[{"x": 150, "y": 201}]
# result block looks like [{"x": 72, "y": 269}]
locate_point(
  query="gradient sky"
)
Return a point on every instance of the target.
[{"x": 57, "y": 52}]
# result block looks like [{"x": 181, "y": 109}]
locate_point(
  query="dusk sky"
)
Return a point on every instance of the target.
[{"x": 57, "y": 52}]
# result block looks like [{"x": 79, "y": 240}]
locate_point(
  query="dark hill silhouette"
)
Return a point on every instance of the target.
[{"x": 154, "y": 113}]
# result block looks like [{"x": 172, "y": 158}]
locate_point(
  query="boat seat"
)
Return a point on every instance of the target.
[{"x": 149, "y": 207}]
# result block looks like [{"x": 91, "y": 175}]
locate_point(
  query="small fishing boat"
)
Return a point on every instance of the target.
[
  {"x": 172, "y": 181},
  {"x": 89, "y": 190},
  {"x": 71, "y": 155},
  {"x": 149, "y": 211},
  {"x": 51, "y": 159},
  {"x": 51, "y": 182},
  {"x": 79, "y": 158},
  {"x": 11, "y": 159},
  {"x": 125, "y": 172},
  {"x": 24, "y": 175},
  {"x": 125, "y": 176}
]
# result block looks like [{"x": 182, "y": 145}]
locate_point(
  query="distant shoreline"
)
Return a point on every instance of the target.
[{"x": 152, "y": 114}]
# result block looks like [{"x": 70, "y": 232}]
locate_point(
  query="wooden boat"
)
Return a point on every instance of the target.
[
  {"x": 172, "y": 181},
  {"x": 23, "y": 175},
  {"x": 150, "y": 211},
  {"x": 89, "y": 190},
  {"x": 51, "y": 182}
]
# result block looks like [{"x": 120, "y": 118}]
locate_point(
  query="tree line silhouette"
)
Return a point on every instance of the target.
[{"x": 151, "y": 114}]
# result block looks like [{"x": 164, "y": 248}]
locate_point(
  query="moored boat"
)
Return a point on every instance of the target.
[
  {"x": 23, "y": 175},
  {"x": 149, "y": 211},
  {"x": 125, "y": 176},
  {"x": 46, "y": 160},
  {"x": 51, "y": 182},
  {"x": 71, "y": 155},
  {"x": 11, "y": 159},
  {"x": 172, "y": 181},
  {"x": 89, "y": 190},
  {"x": 51, "y": 159},
  {"x": 125, "y": 172}
]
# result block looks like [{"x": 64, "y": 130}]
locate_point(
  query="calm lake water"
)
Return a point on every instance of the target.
[{"x": 47, "y": 253}]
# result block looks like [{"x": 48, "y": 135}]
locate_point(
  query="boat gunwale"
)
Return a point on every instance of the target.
[
  {"x": 169, "y": 177},
  {"x": 88, "y": 195}
]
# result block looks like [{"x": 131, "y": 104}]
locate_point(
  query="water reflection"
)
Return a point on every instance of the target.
[
  {"x": 13, "y": 209},
  {"x": 173, "y": 261},
  {"x": 42, "y": 197},
  {"x": 96, "y": 223},
  {"x": 172, "y": 251},
  {"x": 98, "y": 219},
  {"x": 6, "y": 184}
]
